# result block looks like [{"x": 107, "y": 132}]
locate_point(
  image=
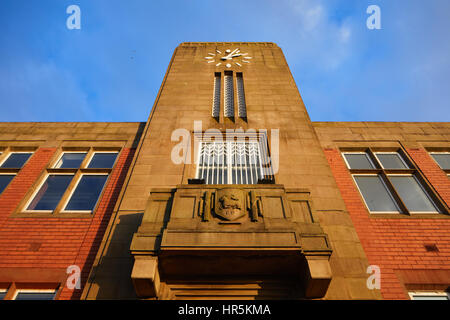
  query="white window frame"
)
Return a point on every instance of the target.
[
  {"x": 385, "y": 186},
  {"x": 39, "y": 188},
  {"x": 69, "y": 197},
  {"x": 10, "y": 153},
  {"x": 16, "y": 293},
  {"x": 359, "y": 152},
  {"x": 423, "y": 189},
  {"x": 92, "y": 157},
  {"x": 429, "y": 294},
  {"x": 229, "y": 159},
  {"x": 63, "y": 153},
  {"x": 393, "y": 152},
  {"x": 431, "y": 153}
]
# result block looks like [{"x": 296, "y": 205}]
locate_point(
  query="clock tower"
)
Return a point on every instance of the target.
[{"x": 229, "y": 194}]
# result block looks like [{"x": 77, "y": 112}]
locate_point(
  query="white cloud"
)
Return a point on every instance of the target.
[
  {"x": 310, "y": 14},
  {"x": 344, "y": 34},
  {"x": 321, "y": 40}
]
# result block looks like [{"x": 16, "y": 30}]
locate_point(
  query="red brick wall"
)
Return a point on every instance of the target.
[
  {"x": 435, "y": 175},
  {"x": 54, "y": 243},
  {"x": 397, "y": 244}
]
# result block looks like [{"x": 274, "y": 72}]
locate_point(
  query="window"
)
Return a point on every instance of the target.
[
  {"x": 375, "y": 193},
  {"x": 10, "y": 164},
  {"x": 358, "y": 160},
  {"x": 30, "y": 291},
  {"x": 389, "y": 183},
  {"x": 16, "y": 160},
  {"x": 50, "y": 192},
  {"x": 102, "y": 160},
  {"x": 412, "y": 193},
  {"x": 391, "y": 160},
  {"x": 86, "y": 193},
  {"x": 30, "y": 294},
  {"x": 74, "y": 183},
  {"x": 233, "y": 162},
  {"x": 5, "y": 179},
  {"x": 70, "y": 160},
  {"x": 443, "y": 160},
  {"x": 428, "y": 295}
]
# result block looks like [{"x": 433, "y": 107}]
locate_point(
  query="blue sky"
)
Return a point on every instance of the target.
[{"x": 111, "y": 69}]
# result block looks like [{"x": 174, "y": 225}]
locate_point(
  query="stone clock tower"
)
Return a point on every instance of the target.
[{"x": 229, "y": 195}]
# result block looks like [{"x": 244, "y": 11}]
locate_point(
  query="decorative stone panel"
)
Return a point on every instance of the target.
[{"x": 245, "y": 231}]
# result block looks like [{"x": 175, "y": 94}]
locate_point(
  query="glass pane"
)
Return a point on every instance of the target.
[
  {"x": 103, "y": 160},
  {"x": 50, "y": 193},
  {"x": 70, "y": 160},
  {"x": 413, "y": 196},
  {"x": 443, "y": 159},
  {"x": 391, "y": 161},
  {"x": 358, "y": 161},
  {"x": 35, "y": 296},
  {"x": 16, "y": 160},
  {"x": 375, "y": 194},
  {"x": 87, "y": 192},
  {"x": 5, "y": 179},
  {"x": 429, "y": 297}
]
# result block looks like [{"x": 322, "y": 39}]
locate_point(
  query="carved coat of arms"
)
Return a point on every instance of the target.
[{"x": 229, "y": 204}]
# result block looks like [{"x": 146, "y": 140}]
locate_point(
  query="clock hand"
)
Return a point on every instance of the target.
[
  {"x": 230, "y": 58},
  {"x": 233, "y": 52},
  {"x": 227, "y": 57}
]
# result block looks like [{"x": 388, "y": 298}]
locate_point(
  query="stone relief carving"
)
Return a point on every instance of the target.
[{"x": 229, "y": 204}]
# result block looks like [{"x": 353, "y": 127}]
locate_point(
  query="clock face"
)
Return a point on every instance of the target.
[{"x": 228, "y": 58}]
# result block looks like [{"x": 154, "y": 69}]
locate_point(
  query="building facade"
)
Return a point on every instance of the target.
[{"x": 228, "y": 191}]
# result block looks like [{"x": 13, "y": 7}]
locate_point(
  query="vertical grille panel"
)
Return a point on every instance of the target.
[
  {"x": 228, "y": 95},
  {"x": 216, "y": 96},
  {"x": 242, "y": 108}
]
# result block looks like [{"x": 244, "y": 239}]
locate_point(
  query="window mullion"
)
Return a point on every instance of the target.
[
  {"x": 200, "y": 171},
  {"x": 87, "y": 158},
  {"x": 213, "y": 160},
  {"x": 224, "y": 146},
  {"x": 229, "y": 165},
  {"x": 66, "y": 196},
  {"x": 373, "y": 159},
  {"x": 240, "y": 163},
  {"x": 398, "y": 200},
  {"x": 3, "y": 155}
]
